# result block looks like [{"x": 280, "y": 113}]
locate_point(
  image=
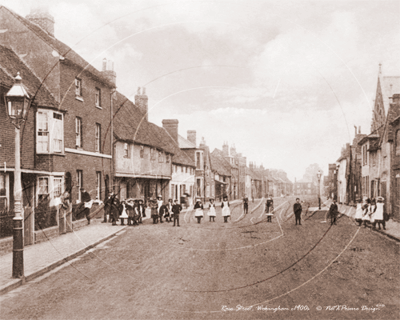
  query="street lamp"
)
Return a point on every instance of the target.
[
  {"x": 319, "y": 174},
  {"x": 17, "y": 105}
]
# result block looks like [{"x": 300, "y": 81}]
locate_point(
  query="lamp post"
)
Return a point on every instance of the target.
[
  {"x": 319, "y": 174},
  {"x": 17, "y": 105}
]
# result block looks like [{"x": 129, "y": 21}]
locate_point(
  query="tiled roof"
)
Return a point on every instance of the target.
[
  {"x": 62, "y": 48},
  {"x": 219, "y": 164},
  {"x": 184, "y": 143},
  {"x": 131, "y": 125},
  {"x": 10, "y": 64}
]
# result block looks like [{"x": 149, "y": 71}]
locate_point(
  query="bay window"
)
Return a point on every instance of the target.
[{"x": 49, "y": 132}]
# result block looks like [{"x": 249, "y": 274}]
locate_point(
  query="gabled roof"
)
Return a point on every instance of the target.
[
  {"x": 131, "y": 125},
  {"x": 184, "y": 143},
  {"x": 10, "y": 65},
  {"x": 220, "y": 153},
  {"x": 62, "y": 48},
  {"x": 219, "y": 164}
]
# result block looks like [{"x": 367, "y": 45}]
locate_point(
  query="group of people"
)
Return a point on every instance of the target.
[
  {"x": 199, "y": 210},
  {"x": 371, "y": 210},
  {"x": 170, "y": 211}
]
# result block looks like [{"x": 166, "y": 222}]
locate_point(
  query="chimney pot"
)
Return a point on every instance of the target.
[
  {"x": 40, "y": 15},
  {"x": 141, "y": 101}
]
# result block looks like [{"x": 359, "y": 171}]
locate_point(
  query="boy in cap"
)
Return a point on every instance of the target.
[{"x": 176, "y": 209}]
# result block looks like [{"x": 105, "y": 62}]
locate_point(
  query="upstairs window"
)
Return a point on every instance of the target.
[
  {"x": 78, "y": 132},
  {"x": 167, "y": 158},
  {"x": 49, "y": 132},
  {"x": 141, "y": 152},
  {"x": 160, "y": 157},
  {"x": 97, "y": 98},
  {"x": 126, "y": 150},
  {"x": 364, "y": 155},
  {"x": 98, "y": 137},
  {"x": 153, "y": 154},
  {"x": 78, "y": 87}
]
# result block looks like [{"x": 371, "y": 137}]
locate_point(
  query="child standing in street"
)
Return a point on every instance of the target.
[
  {"x": 359, "y": 212},
  {"x": 226, "y": 212},
  {"x": 198, "y": 207},
  {"x": 211, "y": 210},
  {"x": 379, "y": 213},
  {"x": 365, "y": 217}
]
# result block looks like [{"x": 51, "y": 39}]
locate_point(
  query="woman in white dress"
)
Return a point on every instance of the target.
[
  {"x": 379, "y": 213},
  {"x": 211, "y": 210},
  {"x": 159, "y": 205},
  {"x": 198, "y": 210},
  {"x": 366, "y": 207},
  {"x": 226, "y": 212},
  {"x": 359, "y": 212}
]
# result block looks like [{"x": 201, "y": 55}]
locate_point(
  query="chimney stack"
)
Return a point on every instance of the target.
[
  {"x": 233, "y": 151},
  {"x": 40, "y": 16},
  {"x": 191, "y": 136},
  {"x": 142, "y": 101},
  {"x": 202, "y": 142},
  {"x": 171, "y": 125},
  {"x": 108, "y": 71},
  {"x": 225, "y": 149}
]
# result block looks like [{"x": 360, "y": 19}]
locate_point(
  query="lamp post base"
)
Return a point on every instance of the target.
[{"x": 18, "y": 248}]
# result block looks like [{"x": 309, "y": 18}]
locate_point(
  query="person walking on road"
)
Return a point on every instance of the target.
[
  {"x": 297, "y": 211},
  {"x": 333, "y": 212},
  {"x": 176, "y": 209},
  {"x": 115, "y": 209},
  {"x": 107, "y": 208},
  {"x": 141, "y": 210},
  {"x": 269, "y": 208},
  {"x": 154, "y": 210},
  {"x": 86, "y": 203},
  {"x": 211, "y": 210},
  {"x": 379, "y": 213},
  {"x": 359, "y": 212},
  {"x": 198, "y": 213},
  {"x": 226, "y": 212},
  {"x": 245, "y": 204}
]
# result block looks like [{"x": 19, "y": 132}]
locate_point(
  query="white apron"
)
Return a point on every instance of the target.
[
  {"x": 198, "y": 212},
  {"x": 378, "y": 215},
  {"x": 366, "y": 215},
  {"x": 211, "y": 211},
  {"x": 372, "y": 213},
  {"x": 159, "y": 204},
  {"x": 226, "y": 212},
  {"x": 359, "y": 212}
]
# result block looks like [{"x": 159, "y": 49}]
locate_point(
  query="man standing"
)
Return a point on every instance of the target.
[
  {"x": 245, "y": 204},
  {"x": 333, "y": 211},
  {"x": 169, "y": 210},
  {"x": 107, "y": 208},
  {"x": 86, "y": 204},
  {"x": 297, "y": 211},
  {"x": 176, "y": 209}
]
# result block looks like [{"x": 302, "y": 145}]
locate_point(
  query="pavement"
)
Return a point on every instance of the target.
[
  {"x": 392, "y": 227},
  {"x": 46, "y": 256}
]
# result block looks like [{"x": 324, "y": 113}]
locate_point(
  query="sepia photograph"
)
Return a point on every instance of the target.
[{"x": 199, "y": 159}]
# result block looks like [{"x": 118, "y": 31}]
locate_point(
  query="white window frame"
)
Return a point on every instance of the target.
[
  {"x": 98, "y": 185},
  {"x": 53, "y": 130},
  {"x": 78, "y": 87},
  {"x": 97, "y": 97},
  {"x": 39, "y": 188},
  {"x": 78, "y": 132},
  {"x": 79, "y": 184},
  {"x": 57, "y": 186},
  {"x": 97, "y": 136},
  {"x": 126, "y": 150},
  {"x": 6, "y": 186}
]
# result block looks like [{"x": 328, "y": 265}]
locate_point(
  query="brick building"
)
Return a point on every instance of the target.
[
  {"x": 66, "y": 139},
  {"x": 394, "y": 139}
]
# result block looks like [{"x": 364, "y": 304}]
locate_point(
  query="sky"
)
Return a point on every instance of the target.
[{"x": 285, "y": 82}]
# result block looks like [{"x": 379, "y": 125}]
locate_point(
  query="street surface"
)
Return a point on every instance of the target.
[{"x": 245, "y": 269}]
